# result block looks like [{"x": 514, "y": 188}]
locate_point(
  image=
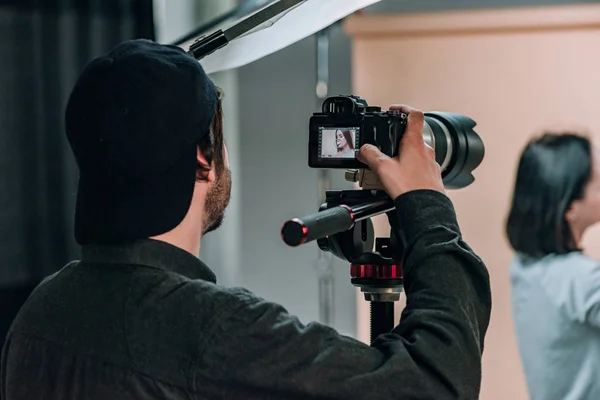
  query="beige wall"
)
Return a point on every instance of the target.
[{"x": 516, "y": 72}]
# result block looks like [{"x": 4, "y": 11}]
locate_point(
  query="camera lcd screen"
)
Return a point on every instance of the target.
[{"x": 338, "y": 143}]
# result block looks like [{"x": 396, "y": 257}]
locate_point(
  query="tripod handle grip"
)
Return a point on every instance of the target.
[{"x": 315, "y": 226}]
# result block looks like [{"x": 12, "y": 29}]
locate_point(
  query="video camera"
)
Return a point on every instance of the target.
[{"x": 343, "y": 224}]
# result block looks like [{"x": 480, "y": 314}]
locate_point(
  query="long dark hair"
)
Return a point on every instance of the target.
[
  {"x": 553, "y": 172},
  {"x": 348, "y": 137}
]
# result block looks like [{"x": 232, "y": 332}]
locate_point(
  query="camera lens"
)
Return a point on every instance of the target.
[{"x": 458, "y": 148}]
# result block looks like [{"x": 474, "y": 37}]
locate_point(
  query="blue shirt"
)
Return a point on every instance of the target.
[{"x": 556, "y": 308}]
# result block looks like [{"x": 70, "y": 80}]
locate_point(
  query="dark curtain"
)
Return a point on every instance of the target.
[{"x": 44, "y": 45}]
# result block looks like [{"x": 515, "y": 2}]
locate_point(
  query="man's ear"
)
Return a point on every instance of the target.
[{"x": 207, "y": 172}]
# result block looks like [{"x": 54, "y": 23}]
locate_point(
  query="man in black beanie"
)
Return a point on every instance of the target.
[{"x": 141, "y": 317}]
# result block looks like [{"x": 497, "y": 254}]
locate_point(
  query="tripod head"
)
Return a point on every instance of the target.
[{"x": 344, "y": 228}]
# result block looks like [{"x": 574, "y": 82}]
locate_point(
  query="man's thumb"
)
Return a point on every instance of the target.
[{"x": 371, "y": 155}]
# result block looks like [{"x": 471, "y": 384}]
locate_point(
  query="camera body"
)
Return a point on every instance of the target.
[{"x": 345, "y": 124}]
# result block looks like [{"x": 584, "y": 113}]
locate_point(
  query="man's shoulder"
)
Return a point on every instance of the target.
[
  {"x": 235, "y": 308},
  {"x": 198, "y": 301},
  {"x": 223, "y": 299},
  {"x": 240, "y": 296}
]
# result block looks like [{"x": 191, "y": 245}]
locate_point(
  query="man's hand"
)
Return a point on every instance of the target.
[{"x": 413, "y": 168}]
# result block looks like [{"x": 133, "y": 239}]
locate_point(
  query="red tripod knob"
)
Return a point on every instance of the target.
[{"x": 369, "y": 271}]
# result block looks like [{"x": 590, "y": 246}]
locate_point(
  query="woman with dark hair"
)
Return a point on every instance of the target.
[
  {"x": 344, "y": 142},
  {"x": 555, "y": 287}
]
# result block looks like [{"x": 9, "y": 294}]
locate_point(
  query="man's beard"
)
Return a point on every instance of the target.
[{"x": 217, "y": 200}]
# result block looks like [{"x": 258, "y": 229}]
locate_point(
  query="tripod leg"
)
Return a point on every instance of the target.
[{"x": 382, "y": 318}]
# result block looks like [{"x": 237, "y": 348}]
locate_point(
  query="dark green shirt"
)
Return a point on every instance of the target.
[{"x": 149, "y": 321}]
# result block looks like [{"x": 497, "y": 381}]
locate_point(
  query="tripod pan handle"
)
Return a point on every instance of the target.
[{"x": 315, "y": 226}]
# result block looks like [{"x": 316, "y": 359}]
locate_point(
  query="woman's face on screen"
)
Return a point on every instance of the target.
[{"x": 340, "y": 140}]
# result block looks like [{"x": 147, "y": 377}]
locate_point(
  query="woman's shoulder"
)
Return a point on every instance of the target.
[
  {"x": 575, "y": 284},
  {"x": 574, "y": 257},
  {"x": 575, "y": 270},
  {"x": 570, "y": 281},
  {"x": 562, "y": 267}
]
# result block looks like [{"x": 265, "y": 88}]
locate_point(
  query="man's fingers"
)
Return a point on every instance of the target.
[
  {"x": 402, "y": 108},
  {"x": 414, "y": 129},
  {"x": 414, "y": 126},
  {"x": 371, "y": 156}
]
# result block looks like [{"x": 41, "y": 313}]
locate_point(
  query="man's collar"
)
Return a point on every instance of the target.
[{"x": 151, "y": 253}]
